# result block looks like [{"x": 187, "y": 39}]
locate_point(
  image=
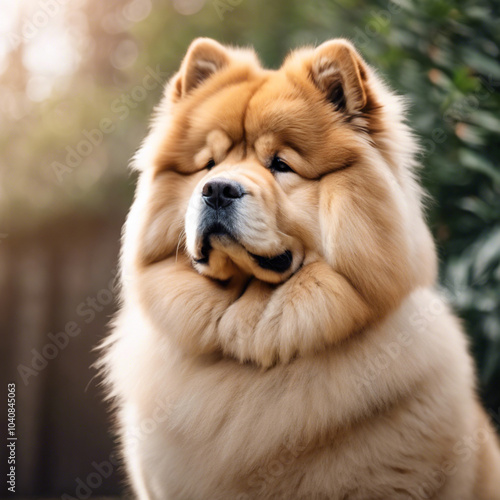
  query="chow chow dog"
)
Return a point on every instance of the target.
[{"x": 279, "y": 333}]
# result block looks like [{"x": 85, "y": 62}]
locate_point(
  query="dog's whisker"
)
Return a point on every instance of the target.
[{"x": 180, "y": 241}]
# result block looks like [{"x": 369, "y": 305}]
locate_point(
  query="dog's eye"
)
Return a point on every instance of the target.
[
  {"x": 210, "y": 164},
  {"x": 278, "y": 165}
]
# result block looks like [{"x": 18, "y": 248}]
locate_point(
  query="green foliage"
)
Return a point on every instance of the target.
[{"x": 442, "y": 55}]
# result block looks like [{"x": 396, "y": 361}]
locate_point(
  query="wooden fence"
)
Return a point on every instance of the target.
[{"x": 56, "y": 290}]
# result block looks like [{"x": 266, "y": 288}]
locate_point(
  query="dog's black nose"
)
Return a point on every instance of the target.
[{"x": 219, "y": 193}]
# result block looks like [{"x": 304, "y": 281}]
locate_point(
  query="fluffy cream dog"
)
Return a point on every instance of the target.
[{"x": 279, "y": 335}]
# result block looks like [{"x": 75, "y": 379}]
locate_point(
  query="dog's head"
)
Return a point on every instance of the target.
[{"x": 258, "y": 172}]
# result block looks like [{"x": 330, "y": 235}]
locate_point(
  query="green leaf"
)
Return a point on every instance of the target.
[{"x": 474, "y": 161}]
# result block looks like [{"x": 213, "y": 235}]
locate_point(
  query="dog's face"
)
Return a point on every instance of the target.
[
  {"x": 259, "y": 172},
  {"x": 259, "y": 150},
  {"x": 255, "y": 201}
]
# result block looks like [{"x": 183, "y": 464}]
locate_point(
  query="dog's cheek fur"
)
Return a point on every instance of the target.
[
  {"x": 364, "y": 237},
  {"x": 161, "y": 230}
]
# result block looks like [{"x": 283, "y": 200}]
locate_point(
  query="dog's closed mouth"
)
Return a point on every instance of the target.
[
  {"x": 279, "y": 263},
  {"x": 216, "y": 229},
  {"x": 201, "y": 260}
]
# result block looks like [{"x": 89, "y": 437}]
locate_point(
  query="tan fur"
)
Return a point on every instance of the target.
[{"x": 344, "y": 376}]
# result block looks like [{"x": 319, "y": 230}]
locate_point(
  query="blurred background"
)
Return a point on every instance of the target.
[{"x": 78, "y": 81}]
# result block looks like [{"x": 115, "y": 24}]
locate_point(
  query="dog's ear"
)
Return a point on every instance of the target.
[
  {"x": 338, "y": 71},
  {"x": 204, "y": 58}
]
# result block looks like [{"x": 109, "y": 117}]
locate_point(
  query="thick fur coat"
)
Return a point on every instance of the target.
[{"x": 279, "y": 333}]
